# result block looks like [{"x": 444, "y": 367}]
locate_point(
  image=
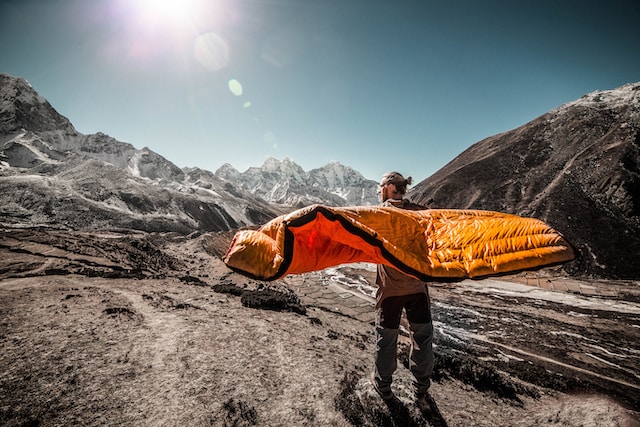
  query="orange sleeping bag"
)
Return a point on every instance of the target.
[{"x": 427, "y": 244}]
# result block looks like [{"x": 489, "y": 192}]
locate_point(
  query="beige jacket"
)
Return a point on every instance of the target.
[{"x": 390, "y": 281}]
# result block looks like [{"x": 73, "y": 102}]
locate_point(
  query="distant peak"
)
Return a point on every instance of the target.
[
  {"x": 226, "y": 168},
  {"x": 270, "y": 161}
]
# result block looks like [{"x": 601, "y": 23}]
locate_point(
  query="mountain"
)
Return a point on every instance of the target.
[
  {"x": 576, "y": 167},
  {"x": 51, "y": 175},
  {"x": 285, "y": 182}
]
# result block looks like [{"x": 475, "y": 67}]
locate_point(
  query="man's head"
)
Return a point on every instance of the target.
[{"x": 393, "y": 185}]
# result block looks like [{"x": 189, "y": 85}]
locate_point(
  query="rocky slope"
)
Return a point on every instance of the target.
[{"x": 576, "y": 167}]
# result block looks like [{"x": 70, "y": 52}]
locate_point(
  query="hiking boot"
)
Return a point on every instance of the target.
[
  {"x": 424, "y": 400},
  {"x": 422, "y": 387},
  {"x": 426, "y": 404},
  {"x": 384, "y": 392}
]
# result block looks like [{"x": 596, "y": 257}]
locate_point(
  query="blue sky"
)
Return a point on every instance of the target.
[{"x": 376, "y": 85}]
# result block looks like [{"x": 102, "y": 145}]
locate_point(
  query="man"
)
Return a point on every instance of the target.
[{"x": 397, "y": 292}]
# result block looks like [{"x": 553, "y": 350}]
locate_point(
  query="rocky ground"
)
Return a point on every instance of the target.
[{"x": 122, "y": 328}]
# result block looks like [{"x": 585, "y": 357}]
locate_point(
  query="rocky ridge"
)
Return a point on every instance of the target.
[{"x": 576, "y": 167}]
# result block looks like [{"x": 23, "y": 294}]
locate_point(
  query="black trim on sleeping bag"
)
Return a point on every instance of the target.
[{"x": 349, "y": 227}]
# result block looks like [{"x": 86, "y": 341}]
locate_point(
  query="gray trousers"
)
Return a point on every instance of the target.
[{"x": 418, "y": 310}]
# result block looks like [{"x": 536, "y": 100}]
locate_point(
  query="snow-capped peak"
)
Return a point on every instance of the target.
[{"x": 286, "y": 182}]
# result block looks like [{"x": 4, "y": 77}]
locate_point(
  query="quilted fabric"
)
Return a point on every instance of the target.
[{"x": 427, "y": 244}]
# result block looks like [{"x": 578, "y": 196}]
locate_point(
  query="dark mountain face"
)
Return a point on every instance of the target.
[
  {"x": 22, "y": 108},
  {"x": 576, "y": 167}
]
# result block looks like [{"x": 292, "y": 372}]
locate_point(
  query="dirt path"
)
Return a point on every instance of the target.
[{"x": 161, "y": 333}]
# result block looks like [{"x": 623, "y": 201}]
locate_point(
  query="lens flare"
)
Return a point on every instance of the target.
[{"x": 235, "y": 87}]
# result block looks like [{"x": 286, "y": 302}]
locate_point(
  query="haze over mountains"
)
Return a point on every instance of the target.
[{"x": 576, "y": 167}]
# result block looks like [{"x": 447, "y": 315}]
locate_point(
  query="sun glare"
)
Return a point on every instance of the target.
[
  {"x": 162, "y": 29},
  {"x": 168, "y": 12}
]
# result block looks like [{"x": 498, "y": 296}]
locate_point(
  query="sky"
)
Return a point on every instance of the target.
[{"x": 401, "y": 85}]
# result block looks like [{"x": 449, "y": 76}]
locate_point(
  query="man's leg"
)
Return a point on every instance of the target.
[
  {"x": 387, "y": 327},
  {"x": 421, "y": 357}
]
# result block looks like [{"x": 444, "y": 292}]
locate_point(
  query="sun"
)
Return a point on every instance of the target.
[
  {"x": 173, "y": 13},
  {"x": 171, "y": 30}
]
